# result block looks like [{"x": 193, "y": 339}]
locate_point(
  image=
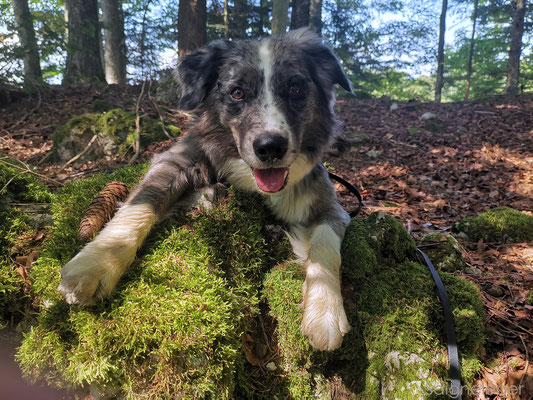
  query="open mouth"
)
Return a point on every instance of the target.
[{"x": 271, "y": 179}]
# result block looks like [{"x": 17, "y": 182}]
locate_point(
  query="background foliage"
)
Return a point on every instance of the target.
[{"x": 388, "y": 47}]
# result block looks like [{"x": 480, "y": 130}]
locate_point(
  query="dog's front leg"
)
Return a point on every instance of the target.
[
  {"x": 324, "y": 321},
  {"x": 96, "y": 269}
]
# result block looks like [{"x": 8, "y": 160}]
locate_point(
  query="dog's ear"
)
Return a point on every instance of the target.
[
  {"x": 198, "y": 72},
  {"x": 320, "y": 58}
]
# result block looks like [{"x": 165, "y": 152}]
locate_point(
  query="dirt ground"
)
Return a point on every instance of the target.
[{"x": 427, "y": 164}]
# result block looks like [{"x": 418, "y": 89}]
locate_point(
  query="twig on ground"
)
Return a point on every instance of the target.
[
  {"x": 73, "y": 159},
  {"x": 81, "y": 173},
  {"x": 156, "y": 106},
  {"x": 527, "y": 360},
  {"x": 28, "y": 170},
  {"x": 137, "y": 145},
  {"x": 12, "y": 179}
]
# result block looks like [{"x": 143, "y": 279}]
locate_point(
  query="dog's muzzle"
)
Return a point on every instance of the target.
[{"x": 269, "y": 149}]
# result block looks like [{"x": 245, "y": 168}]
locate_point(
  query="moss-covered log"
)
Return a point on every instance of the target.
[{"x": 181, "y": 321}]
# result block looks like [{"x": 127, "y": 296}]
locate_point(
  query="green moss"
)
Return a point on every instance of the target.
[
  {"x": 397, "y": 339},
  {"x": 497, "y": 225},
  {"x": 81, "y": 125},
  {"x": 444, "y": 251},
  {"x": 68, "y": 206},
  {"x": 116, "y": 126},
  {"x": 176, "y": 323},
  {"x": 174, "y": 326},
  {"x": 18, "y": 188},
  {"x": 529, "y": 298},
  {"x": 116, "y": 123}
]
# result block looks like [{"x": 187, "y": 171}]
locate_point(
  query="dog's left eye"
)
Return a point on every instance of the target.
[
  {"x": 294, "y": 90},
  {"x": 237, "y": 93}
]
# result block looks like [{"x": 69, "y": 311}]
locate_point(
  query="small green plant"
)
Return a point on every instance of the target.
[{"x": 413, "y": 130}]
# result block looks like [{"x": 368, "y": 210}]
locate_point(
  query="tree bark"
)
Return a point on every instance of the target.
[
  {"x": 192, "y": 18},
  {"x": 280, "y": 16},
  {"x": 239, "y": 20},
  {"x": 115, "y": 41},
  {"x": 28, "y": 42},
  {"x": 471, "y": 52},
  {"x": 83, "y": 42},
  {"x": 517, "y": 30},
  {"x": 440, "y": 56},
  {"x": 315, "y": 16},
  {"x": 300, "y": 13}
]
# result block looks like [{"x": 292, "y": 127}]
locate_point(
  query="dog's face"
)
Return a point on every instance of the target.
[{"x": 275, "y": 97}]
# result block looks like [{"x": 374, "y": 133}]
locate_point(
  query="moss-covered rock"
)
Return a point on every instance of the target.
[
  {"x": 444, "y": 251},
  {"x": 115, "y": 134},
  {"x": 502, "y": 224},
  {"x": 178, "y": 321},
  {"x": 397, "y": 347},
  {"x": 19, "y": 188}
]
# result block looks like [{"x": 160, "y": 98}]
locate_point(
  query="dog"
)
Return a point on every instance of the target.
[{"x": 264, "y": 117}]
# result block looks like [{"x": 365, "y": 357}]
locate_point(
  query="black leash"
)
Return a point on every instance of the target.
[
  {"x": 352, "y": 189},
  {"x": 453, "y": 353}
]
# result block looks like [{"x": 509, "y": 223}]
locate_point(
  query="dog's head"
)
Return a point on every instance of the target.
[{"x": 275, "y": 96}]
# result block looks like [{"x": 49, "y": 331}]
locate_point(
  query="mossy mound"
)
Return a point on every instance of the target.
[
  {"x": 18, "y": 189},
  {"x": 115, "y": 132},
  {"x": 178, "y": 321},
  {"x": 501, "y": 225},
  {"x": 397, "y": 347},
  {"x": 444, "y": 252}
]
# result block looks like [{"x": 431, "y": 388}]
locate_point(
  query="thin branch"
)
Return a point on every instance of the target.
[
  {"x": 12, "y": 179},
  {"x": 156, "y": 106},
  {"x": 73, "y": 159},
  {"x": 28, "y": 170},
  {"x": 137, "y": 145}
]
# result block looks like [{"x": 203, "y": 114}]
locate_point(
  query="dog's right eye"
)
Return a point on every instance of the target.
[{"x": 237, "y": 93}]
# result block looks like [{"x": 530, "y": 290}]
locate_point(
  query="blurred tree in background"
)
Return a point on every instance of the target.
[{"x": 387, "y": 47}]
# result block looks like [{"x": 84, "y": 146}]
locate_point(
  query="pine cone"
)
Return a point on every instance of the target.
[{"x": 101, "y": 209}]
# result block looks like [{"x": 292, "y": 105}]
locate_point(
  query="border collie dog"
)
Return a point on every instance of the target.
[{"x": 264, "y": 117}]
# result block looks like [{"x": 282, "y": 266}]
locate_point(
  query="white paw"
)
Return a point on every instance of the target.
[
  {"x": 324, "y": 321},
  {"x": 90, "y": 275}
]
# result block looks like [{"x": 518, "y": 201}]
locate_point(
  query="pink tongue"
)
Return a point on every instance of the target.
[{"x": 271, "y": 179}]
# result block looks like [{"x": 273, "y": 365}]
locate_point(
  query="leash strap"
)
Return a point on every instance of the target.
[
  {"x": 453, "y": 354},
  {"x": 352, "y": 189}
]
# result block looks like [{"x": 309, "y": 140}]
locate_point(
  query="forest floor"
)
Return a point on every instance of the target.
[{"x": 428, "y": 170}]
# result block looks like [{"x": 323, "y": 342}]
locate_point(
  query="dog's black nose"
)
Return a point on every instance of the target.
[{"x": 270, "y": 147}]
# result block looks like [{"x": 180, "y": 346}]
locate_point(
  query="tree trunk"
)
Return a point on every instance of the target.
[
  {"x": 300, "y": 13},
  {"x": 192, "y": 33},
  {"x": 517, "y": 30},
  {"x": 239, "y": 21},
  {"x": 83, "y": 42},
  {"x": 115, "y": 42},
  {"x": 226, "y": 19},
  {"x": 28, "y": 43},
  {"x": 440, "y": 56},
  {"x": 315, "y": 16},
  {"x": 280, "y": 16},
  {"x": 471, "y": 52}
]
